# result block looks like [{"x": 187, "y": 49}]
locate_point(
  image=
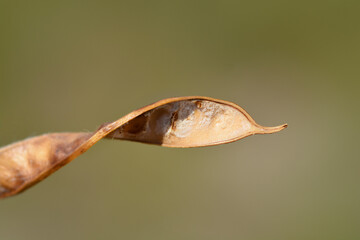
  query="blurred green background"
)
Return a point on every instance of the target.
[{"x": 72, "y": 65}]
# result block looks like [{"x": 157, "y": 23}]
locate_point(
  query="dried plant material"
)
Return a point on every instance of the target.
[{"x": 181, "y": 122}]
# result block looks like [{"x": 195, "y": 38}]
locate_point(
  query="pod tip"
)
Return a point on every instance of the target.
[{"x": 265, "y": 130}]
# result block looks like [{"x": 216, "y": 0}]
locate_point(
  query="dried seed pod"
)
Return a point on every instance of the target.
[
  {"x": 190, "y": 122},
  {"x": 175, "y": 122}
]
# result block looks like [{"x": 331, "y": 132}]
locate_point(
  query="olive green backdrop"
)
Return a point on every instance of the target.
[{"x": 72, "y": 65}]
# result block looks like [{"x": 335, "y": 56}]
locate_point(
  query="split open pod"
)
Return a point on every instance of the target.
[{"x": 180, "y": 122}]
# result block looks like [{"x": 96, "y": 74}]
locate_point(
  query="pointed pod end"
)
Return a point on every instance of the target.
[{"x": 266, "y": 130}]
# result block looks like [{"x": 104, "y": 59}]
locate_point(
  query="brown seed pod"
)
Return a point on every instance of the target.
[{"x": 181, "y": 122}]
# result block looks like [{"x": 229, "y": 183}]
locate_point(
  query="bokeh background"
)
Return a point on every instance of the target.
[{"x": 72, "y": 65}]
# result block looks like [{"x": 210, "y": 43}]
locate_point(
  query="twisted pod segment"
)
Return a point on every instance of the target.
[{"x": 180, "y": 122}]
